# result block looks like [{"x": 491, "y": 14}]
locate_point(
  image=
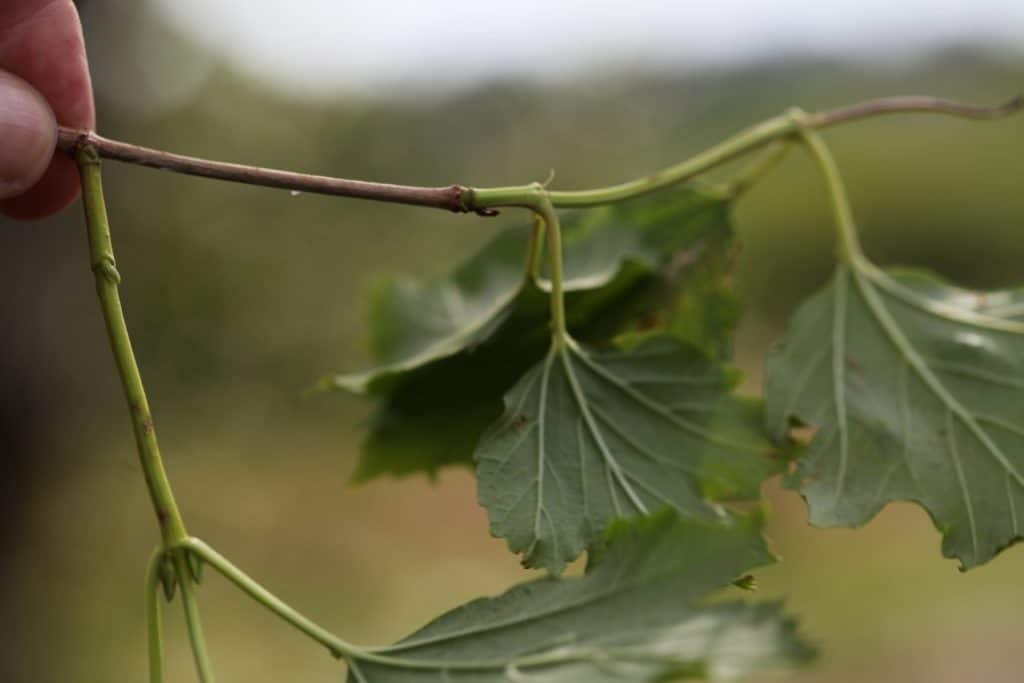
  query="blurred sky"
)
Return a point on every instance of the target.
[{"x": 316, "y": 46}]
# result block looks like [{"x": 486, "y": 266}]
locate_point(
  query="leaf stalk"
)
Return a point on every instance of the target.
[
  {"x": 553, "y": 230},
  {"x": 849, "y": 249},
  {"x": 192, "y": 621},
  {"x": 154, "y": 622}
]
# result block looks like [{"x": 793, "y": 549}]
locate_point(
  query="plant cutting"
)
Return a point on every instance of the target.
[{"x": 580, "y": 364}]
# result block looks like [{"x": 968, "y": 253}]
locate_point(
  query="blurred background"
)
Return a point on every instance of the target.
[{"x": 239, "y": 297}]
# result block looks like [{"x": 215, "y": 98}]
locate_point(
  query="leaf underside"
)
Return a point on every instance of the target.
[
  {"x": 450, "y": 349},
  {"x": 640, "y": 613},
  {"x": 917, "y": 390},
  {"x": 590, "y": 436}
]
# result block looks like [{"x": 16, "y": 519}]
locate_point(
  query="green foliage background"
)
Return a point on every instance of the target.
[{"x": 239, "y": 298}]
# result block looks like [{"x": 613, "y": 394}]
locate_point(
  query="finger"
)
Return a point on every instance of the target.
[
  {"x": 28, "y": 130},
  {"x": 41, "y": 41}
]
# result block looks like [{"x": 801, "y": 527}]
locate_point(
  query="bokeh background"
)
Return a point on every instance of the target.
[{"x": 238, "y": 298}]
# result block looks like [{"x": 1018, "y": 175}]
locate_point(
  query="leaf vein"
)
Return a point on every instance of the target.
[
  {"x": 839, "y": 376},
  {"x": 584, "y": 406},
  {"x": 961, "y": 479},
  {"x": 640, "y": 447},
  {"x": 661, "y": 409},
  {"x": 975, "y": 374},
  {"x": 1013, "y": 506},
  {"x": 541, "y": 454},
  {"x": 924, "y": 372}
]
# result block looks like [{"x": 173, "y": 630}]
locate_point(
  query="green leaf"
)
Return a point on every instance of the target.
[
  {"x": 697, "y": 303},
  {"x": 450, "y": 349},
  {"x": 917, "y": 390},
  {"x": 640, "y": 613},
  {"x": 415, "y": 324},
  {"x": 590, "y": 436}
]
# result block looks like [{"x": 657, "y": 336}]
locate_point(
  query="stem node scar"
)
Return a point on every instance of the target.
[{"x": 108, "y": 269}]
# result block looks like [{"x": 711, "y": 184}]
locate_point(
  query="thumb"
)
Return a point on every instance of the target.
[{"x": 28, "y": 135}]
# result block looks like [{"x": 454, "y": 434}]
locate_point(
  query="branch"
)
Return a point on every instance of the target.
[
  {"x": 463, "y": 199},
  {"x": 778, "y": 128},
  {"x": 451, "y": 198},
  {"x": 101, "y": 255},
  {"x": 912, "y": 103}
]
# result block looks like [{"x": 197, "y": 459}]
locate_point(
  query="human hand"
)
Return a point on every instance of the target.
[{"x": 44, "y": 80}]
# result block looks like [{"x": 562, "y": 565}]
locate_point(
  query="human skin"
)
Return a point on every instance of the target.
[{"x": 40, "y": 43}]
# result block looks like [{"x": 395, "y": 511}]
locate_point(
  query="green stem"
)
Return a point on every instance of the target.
[
  {"x": 341, "y": 648},
  {"x": 762, "y": 164},
  {"x": 849, "y": 245},
  {"x": 172, "y": 528},
  {"x": 153, "y": 617},
  {"x": 538, "y": 200},
  {"x": 250, "y": 587},
  {"x": 739, "y": 144},
  {"x": 195, "y": 627},
  {"x": 777, "y": 128}
]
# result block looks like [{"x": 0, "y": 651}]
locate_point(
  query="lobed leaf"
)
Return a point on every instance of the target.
[
  {"x": 917, "y": 390},
  {"x": 450, "y": 349},
  {"x": 640, "y": 613},
  {"x": 590, "y": 436}
]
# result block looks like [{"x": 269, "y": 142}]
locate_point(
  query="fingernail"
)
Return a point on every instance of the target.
[{"x": 28, "y": 135}]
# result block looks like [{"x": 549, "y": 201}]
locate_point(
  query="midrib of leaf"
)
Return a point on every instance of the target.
[
  {"x": 961, "y": 479},
  {"x": 1013, "y": 506},
  {"x": 937, "y": 309},
  {"x": 916, "y": 361},
  {"x": 1006, "y": 310},
  {"x": 614, "y": 588},
  {"x": 549, "y": 657},
  {"x": 592, "y": 655},
  {"x": 839, "y": 375},
  {"x": 953, "y": 407}
]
